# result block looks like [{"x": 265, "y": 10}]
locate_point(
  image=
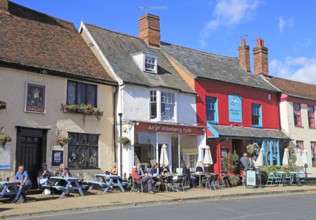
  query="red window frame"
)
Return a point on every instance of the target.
[
  {"x": 311, "y": 116},
  {"x": 313, "y": 151},
  {"x": 297, "y": 115}
]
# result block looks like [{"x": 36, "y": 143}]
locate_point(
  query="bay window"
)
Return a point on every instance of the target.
[{"x": 162, "y": 105}]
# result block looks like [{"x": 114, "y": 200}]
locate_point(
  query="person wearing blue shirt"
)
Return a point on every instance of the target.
[
  {"x": 140, "y": 170},
  {"x": 24, "y": 183}
]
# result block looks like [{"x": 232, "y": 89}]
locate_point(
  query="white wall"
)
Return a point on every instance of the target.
[
  {"x": 135, "y": 105},
  {"x": 303, "y": 133},
  {"x": 12, "y": 90}
]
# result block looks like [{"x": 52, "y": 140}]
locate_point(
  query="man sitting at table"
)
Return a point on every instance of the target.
[
  {"x": 143, "y": 179},
  {"x": 25, "y": 183}
]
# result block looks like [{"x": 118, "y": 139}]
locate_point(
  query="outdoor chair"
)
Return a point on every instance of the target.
[
  {"x": 167, "y": 182},
  {"x": 178, "y": 183},
  {"x": 137, "y": 185},
  {"x": 272, "y": 178}
]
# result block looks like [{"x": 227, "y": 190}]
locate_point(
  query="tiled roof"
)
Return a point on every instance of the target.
[
  {"x": 214, "y": 67},
  {"x": 32, "y": 39},
  {"x": 294, "y": 88},
  {"x": 243, "y": 132},
  {"x": 119, "y": 50}
]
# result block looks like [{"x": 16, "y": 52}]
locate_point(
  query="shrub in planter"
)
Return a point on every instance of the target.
[{"x": 233, "y": 180}]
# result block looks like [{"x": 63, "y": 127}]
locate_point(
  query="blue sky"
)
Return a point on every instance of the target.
[{"x": 216, "y": 26}]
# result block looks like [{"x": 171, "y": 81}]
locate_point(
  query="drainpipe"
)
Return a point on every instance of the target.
[
  {"x": 115, "y": 123},
  {"x": 121, "y": 134}
]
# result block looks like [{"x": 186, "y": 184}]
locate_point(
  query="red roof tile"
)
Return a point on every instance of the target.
[
  {"x": 33, "y": 39},
  {"x": 294, "y": 88}
]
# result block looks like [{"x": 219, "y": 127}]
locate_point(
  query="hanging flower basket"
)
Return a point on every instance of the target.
[
  {"x": 62, "y": 140},
  {"x": 4, "y": 139},
  {"x": 3, "y": 105},
  {"x": 125, "y": 141},
  {"x": 252, "y": 148},
  {"x": 82, "y": 109}
]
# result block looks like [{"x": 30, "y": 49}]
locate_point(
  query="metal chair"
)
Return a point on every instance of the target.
[{"x": 272, "y": 179}]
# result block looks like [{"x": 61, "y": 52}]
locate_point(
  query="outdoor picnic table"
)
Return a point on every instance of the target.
[
  {"x": 106, "y": 181},
  {"x": 9, "y": 188},
  {"x": 72, "y": 184}
]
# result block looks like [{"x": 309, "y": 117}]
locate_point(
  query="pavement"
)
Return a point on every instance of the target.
[{"x": 94, "y": 200}]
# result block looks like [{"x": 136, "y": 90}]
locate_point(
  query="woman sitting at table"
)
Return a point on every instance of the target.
[
  {"x": 63, "y": 171},
  {"x": 187, "y": 174},
  {"x": 199, "y": 167},
  {"x": 143, "y": 179},
  {"x": 113, "y": 170},
  {"x": 155, "y": 170},
  {"x": 43, "y": 175}
]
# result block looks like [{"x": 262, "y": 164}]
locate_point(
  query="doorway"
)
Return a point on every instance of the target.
[{"x": 31, "y": 150}]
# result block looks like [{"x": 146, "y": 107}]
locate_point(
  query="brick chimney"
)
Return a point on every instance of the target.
[
  {"x": 260, "y": 57},
  {"x": 149, "y": 29},
  {"x": 4, "y": 7},
  {"x": 244, "y": 55}
]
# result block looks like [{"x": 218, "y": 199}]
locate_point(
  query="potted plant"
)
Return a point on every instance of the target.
[
  {"x": 231, "y": 161},
  {"x": 3, "y": 105},
  {"x": 61, "y": 139},
  {"x": 125, "y": 141},
  {"x": 4, "y": 139}
]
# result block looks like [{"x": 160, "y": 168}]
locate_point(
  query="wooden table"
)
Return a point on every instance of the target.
[
  {"x": 71, "y": 185},
  {"x": 106, "y": 181}
]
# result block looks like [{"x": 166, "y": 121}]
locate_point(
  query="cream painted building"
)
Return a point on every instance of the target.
[
  {"x": 297, "y": 117},
  {"x": 46, "y": 72}
]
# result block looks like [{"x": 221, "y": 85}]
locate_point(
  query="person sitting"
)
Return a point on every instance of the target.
[
  {"x": 139, "y": 170},
  {"x": 187, "y": 174},
  {"x": 63, "y": 171},
  {"x": 43, "y": 175},
  {"x": 155, "y": 170},
  {"x": 25, "y": 183},
  {"x": 199, "y": 167},
  {"x": 113, "y": 170},
  {"x": 165, "y": 170},
  {"x": 144, "y": 179}
]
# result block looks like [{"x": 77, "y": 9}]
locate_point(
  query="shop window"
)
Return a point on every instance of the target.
[
  {"x": 256, "y": 115},
  {"x": 193, "y": 160},
  {"x": 81, "y": 93},
  {"x": 300, "y": 145},
  {"x": 83, "y": 150},
  {"x": 153, "y": 104},
  {"x": 313, "y": 145},
  {"x": 211, "y": 109},
  {"x": 297, "y": 115},
  {"x": 311, "y": 116}
]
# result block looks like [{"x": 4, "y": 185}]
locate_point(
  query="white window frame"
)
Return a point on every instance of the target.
[
  {"x": 149, "y": 56},
  {"x": 158, "y": 98}
]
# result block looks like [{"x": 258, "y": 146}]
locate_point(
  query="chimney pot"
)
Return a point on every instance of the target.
[
  {"x": 149, "y": 29},
  {"x": 260, "y": 42}
]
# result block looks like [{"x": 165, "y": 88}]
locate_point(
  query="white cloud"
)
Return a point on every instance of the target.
[
  {"x": 301, "y": 69},
  {"x": 283, "y": 23},
  {"x": 228, "y": 13}
]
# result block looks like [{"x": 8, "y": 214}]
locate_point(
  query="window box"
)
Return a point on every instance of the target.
[
  {"x": 82, "y": 109},
  {"x": 3, "y": 105}
]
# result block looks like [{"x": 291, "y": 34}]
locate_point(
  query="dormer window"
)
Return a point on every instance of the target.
[
  {"x": 150, "y": 64},
  {"x": 146, "y": 62}
]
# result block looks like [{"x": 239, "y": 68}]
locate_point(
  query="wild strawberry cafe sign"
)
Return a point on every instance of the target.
[{"x": 178, "y": 129}]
